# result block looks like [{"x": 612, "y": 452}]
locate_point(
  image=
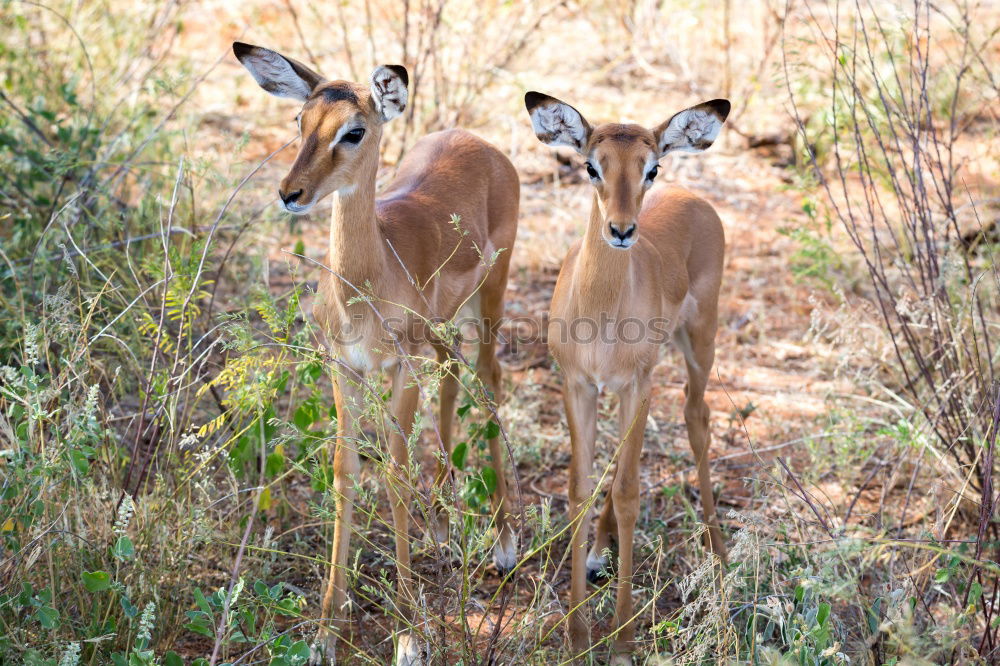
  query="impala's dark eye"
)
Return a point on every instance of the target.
[
  {"x": 651, "y": 174},
  {"x": 591, "y": 171},
  {"x": 354, "y": 136}
]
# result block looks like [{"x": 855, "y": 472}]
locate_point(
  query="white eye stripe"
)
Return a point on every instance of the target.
[
  {"x": 597, "y": 167},
  {"x": 342, "y": 131},
  {"x": 650, "y": 165}
]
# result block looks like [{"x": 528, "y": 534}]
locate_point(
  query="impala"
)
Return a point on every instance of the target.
[
  {"x": 655, "y": 261},
  {"x": 411, "y": 261}
]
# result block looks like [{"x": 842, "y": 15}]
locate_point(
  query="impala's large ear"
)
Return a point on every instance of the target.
[
  {"x": 275, "y": 73},
  {"x": 557, "y": 123},
  {"x": 389, "y": 90},
  {"x": 692, "y": 130}
]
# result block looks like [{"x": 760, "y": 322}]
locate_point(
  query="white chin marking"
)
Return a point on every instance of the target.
[
  {"x": 408, "y": 651},
  {"x": 504, "y": 557},
  {"x": 295, "y": 209},
  {"x": 621, "y": 660}
]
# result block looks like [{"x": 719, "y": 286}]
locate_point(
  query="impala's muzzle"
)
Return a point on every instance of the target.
[
  {"x": 293, "y": 201},
  {"x": 622, "y": 235}
]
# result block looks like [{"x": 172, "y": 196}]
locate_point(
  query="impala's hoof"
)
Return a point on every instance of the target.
[
  {"x": 504, "y": 557},
  {"x": 408, "y": 651},
  {"x": 597, "y": 569},
  {"x": 323, "y": 651}
]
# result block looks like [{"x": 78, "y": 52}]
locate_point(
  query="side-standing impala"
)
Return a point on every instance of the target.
[
  {"x": 398, "y": 257},
  {"x": 647, "y": 270}
]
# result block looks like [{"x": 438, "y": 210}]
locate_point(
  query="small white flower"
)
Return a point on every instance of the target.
[
  {"x": 90, "y": 404},
  {"x": 125, "y": 510},
  {"x": 71, "y": 655},
  {"x": 189, "y": 440},
  {"x": 145, "y": 631},
  {"x": 31, "y": 345}
]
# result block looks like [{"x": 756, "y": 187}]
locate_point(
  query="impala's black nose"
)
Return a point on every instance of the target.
[
  {"x": 290, "y": 197},
  {"x": 621, "y": 235}
]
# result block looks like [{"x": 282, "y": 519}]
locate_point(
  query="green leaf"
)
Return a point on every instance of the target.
[
  {"x": 942, "y": 576},
  {"x": 275, "y": 464},
  {"x": 303, "y": 416},
  {"x": 975, "y": 592},
  {"x": 490, "y": 480},
  {"x": 79, "y": 460},
  {"x": 124, "y": 550},
  {"x": 874, "y": 613},
  {"x": 492, "y": 430},
  {"x": 199, "y": 598},
  {"x": 199, "y": 628},
  {"x": 48, "y": 617},
  {"x": 822, "y": 614},
  {"x": 129, "y": 609},
  {"x": 298, "y": 653},
  {"x": 171, "y": 658},
  {"x": 458, "y": 455},
  {"x": 95, "y": 581}
]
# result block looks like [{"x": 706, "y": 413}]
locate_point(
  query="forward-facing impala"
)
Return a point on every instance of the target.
[
  {"x": 381, "y": 247},
  {"x": 645, "y": 271}
]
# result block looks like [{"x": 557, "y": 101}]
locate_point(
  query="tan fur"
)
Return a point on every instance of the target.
[
  {"x": 378, "y": 245},
  {"x": 446, "y": 173},
  {"x": 673, "y": 271}
]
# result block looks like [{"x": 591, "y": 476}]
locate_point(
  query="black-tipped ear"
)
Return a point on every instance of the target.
[
  {"x": 241, "y": 49},
  {"x": 533, "y": 98},
  {"x": 389, "y": 90},
  {"x": 401, "y": 73},
  {"x": 722, "y": 107},
  {"x": 275, "y": 73},
  {"x": 693, "y": 130},
  {"x": 557, "y": 123}
]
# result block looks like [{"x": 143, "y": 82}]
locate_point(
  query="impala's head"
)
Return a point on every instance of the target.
[
  {"x": 622, "y": 160},
  {"x": 340, "y": 123}
]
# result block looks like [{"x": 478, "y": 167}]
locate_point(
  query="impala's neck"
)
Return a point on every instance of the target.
[
  {"x": 602, "y": 272},
  {"x": 357, "y": 247}
]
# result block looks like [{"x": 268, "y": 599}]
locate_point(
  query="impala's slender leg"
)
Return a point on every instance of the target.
[
  {"x": 696, "y": 416},
  {"x": 448, "y": 391},
  {"x": 405, "y": 394},
  {"x": 633, "y": 411},
  {"x": 346, "y": 468},
  {"x": 488, "y": 370},
  {"x": 581, "y": 412},
  {"x": 607, "y": 527}
]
